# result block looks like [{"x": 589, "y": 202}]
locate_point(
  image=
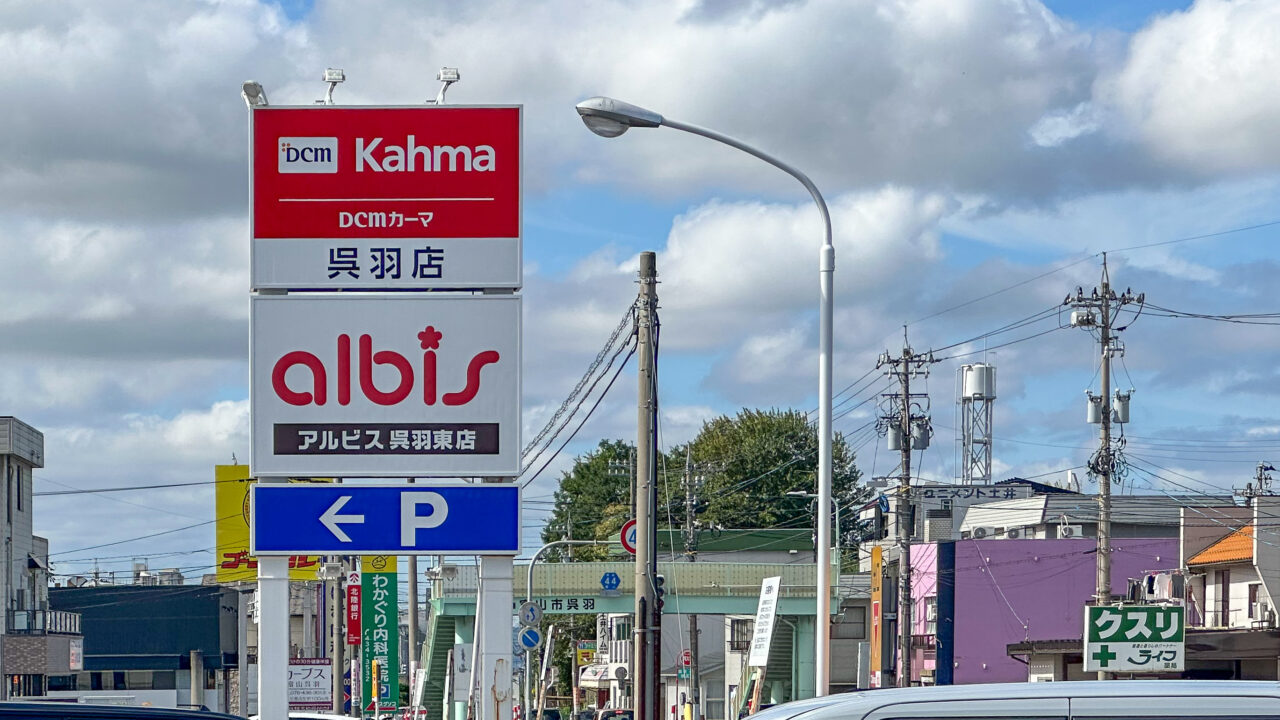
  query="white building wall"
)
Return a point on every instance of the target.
[{"x": 1242, "y": 576}]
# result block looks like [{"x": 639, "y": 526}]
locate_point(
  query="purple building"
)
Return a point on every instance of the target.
[{"x": 972, "y": 599}]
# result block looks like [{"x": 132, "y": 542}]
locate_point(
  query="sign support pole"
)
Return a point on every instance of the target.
[
  {"x": 273, "y": 637},
  {"x": 495, "y": 644}
]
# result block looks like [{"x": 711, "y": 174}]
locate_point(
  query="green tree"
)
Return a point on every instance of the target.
[
  {"x": 751, "y": 461},
  {"x": 592, "y": 501}
]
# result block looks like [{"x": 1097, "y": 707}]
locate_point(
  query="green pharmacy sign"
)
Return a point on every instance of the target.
[{"x": 1134, "y": 638}]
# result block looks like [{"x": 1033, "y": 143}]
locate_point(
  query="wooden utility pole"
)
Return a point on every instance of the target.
[
  {"x": 902, "y": 425},
  {"x": 647, "y": 630},
  {"x": 1099, "y": 311}
]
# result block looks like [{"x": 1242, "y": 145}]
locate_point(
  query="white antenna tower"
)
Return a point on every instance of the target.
[{"x": 977, "y": 400}]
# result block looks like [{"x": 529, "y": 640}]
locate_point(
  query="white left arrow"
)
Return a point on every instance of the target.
[{"x": 333, "y": 520}]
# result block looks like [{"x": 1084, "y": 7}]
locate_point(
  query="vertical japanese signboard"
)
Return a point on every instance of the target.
[
  {"x": 1134, "y": 638},
  {"x": 766, "y": 611},
  {"x": 877, "y": 614},
  {"x": 353, "y": 608},
  {"x": 386, "y": 197},
  {"x": 380, "y": 633}
]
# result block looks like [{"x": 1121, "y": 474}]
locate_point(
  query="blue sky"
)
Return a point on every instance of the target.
[{"x": 963, "y": 146}]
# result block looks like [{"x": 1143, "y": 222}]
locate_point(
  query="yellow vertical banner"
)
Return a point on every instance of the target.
[
  {"x": 233, "y": 487},
  {"x": 877, "y": 613}
]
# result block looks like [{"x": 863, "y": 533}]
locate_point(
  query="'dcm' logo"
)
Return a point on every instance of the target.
[{"x": 307, "y": 155}]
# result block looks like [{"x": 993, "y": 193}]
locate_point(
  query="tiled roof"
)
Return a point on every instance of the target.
[{"x": 1236, "y": 547}]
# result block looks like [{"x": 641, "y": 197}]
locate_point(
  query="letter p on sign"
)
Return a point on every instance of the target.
[{"x": 411, "y": 522}]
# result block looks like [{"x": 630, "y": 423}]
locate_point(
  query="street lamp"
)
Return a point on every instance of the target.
[
  {"x": 836, "y": 503},
  {"x": 253, "y": 94},
  {"x": 610, "y": 118}
]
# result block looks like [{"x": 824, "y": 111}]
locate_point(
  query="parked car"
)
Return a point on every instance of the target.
[
  {"x": 1131, "y": 700},
  {"x": 550, "y": 714},
  {"x": 86, "y": 711},
  {"x": 615, "y": 714}
]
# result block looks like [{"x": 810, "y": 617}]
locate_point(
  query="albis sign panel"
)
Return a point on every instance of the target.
[
  {"x": 386, "y": 197},
  {"x": 385, "y": 385}
]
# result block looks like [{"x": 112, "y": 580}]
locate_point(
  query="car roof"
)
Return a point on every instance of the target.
[
  {"x": 868, "y": 700},
  {"x": 133, "y": 712}
]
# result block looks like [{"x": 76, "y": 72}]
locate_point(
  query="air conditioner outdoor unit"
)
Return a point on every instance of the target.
[
  {"x": 979, "y": 533},
  {"x": 1015, "y": 533},
  {"x": 1070, "y": 531}
]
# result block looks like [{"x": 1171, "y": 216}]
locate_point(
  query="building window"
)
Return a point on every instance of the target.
[
  {"x": 1254, "y": 588},
  {"x": 164, "y": 680},
  {"x": 931, "y": 615},
  {"x": 19, "y": 490},
  {"x": 622, "y": 629},
  {"x": 62, "y": 682},
  {"x": 740, "y": 631}
]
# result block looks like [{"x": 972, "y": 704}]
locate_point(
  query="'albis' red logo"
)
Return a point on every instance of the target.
[{"x": 429, "y": 339}]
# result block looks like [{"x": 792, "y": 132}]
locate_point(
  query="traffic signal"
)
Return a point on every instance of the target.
[{"x": 659, "y": 590}]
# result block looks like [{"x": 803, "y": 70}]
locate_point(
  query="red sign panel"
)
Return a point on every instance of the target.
[
  {"x": 353, "y": 614},
  {"x": 408, "y": 172}
]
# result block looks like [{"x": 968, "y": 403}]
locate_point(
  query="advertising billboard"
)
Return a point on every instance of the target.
[
  {"x": 386, "y": 197},
  {"x": 385, "y": 385},
  {"x": 232, "y": 490}
]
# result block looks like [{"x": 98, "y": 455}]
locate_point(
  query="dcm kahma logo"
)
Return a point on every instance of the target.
[{"x": 308, "y": 155}]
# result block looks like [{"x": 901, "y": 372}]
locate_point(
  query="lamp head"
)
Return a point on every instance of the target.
[
  {"x": 253, "y": 94},
  {"x": 610, "y": 118}
]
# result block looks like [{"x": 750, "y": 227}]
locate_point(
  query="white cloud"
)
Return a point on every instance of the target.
[
  {"x": 1060, "y": 126},
  {"x": 1198, "y": 89}
]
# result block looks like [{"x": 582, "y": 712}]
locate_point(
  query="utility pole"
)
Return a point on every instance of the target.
[
  {"x": 691, "y": 482},
  {"x": 911, "y": 432},
  {"x": 1261, "y": 484},
  {"x": 647, "y": 631},
  {"x": 1100, "y": 311}
]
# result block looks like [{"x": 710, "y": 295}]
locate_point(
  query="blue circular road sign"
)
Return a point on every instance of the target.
[{"x": 530, "y": 638}]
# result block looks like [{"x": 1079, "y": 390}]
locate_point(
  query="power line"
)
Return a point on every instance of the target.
[
  {"x": 1006, "y": 289},
  {"x": 1219, "y": 233},
  {"x": 578, "y": 389},
  {"x": 585, "y": 418}
]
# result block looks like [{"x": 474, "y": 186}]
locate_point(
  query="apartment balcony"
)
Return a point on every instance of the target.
[
  {"x": 614, "y": 651},
  {"x": 43, "y": 622},
  {"x": 42, "y": 642}
]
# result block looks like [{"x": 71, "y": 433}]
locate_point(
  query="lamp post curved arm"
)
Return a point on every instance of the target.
[
  {"x": 610, "y": 118},
  {"x": 788, "y": 169},
  {"x": 528, "y": 597}
]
